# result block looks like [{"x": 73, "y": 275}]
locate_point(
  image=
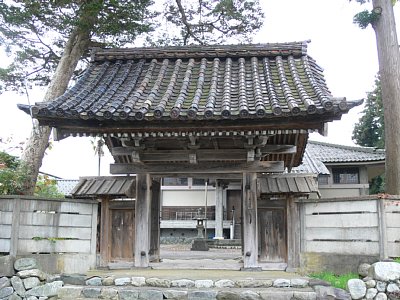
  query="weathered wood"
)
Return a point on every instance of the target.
[
  {"x": 249, "y": 219},
  {"x": 6, "y": 218},
  {"x": 219, "y": 211},
  {"x": 122, "y": 234},
  {"x": 341, "y": 220},
  {"x": 272, "y": 235},
  {"x": 155, "y": 221},
  {"x": 93, "y": 239},
  {"x": 142, "y": 220},
  {"x": 217, "y": 167},
  {"x": 105, "y": 232},
  {"x": 361, "y": 248},
  {"x": 381, "y": 219},
  {"x": 293, "y": 230}
]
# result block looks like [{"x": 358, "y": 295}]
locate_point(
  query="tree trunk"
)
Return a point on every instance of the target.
[
  {"x": 389, "y": 69},
  {"x": 38, "y": 142}
]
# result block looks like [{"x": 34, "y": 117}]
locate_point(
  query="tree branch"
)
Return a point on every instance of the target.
[{"x": 186, "y": 23}]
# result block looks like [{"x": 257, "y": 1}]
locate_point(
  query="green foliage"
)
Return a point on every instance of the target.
[
  {"x": 397, "y": 259},
  {"x": 209, "y": 22},
  {"x": 370, "y": 129},
  {"x": 12, "y": 175},
  {"x": 339, "y": 281},
  {"x": 47, "y": 187},
  {"x": 34, "y": 32},
  {"x": 365, "y": 17}
]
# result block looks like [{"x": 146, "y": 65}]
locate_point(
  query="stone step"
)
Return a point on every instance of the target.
[{"x": 70, "y": 292}]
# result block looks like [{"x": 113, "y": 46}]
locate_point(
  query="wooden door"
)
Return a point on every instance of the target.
[
  {"x": 122, "y": 234},
  {"x": 272, "y": 241}
]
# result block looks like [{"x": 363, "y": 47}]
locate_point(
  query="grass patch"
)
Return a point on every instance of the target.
[
  {"x": 339, "y": 281},
  {"x": 397, "y": 259}
]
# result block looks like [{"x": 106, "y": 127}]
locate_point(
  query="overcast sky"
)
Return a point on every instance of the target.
[{"x": 346, "y": 52}]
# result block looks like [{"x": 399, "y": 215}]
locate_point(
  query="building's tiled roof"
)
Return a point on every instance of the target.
[
  {"x": 319, "y": 153},
  {"x": 329, "y": 153},
  {"x": 263, "y": 82}
]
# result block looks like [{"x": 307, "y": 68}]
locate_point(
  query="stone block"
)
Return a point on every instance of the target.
[
  {"x": 73, "y": 279},
  {"x": 32, "y": 273},
  {"x": 122, "y": 281},
  {"x": 227, "y": 295},
  {"x": 298, "y": 295},
  {"x": 128, "y": 294},
  {"x": 371, "y": 293},
  {"x": 224, "y": 283},
  {"x": 392, "y": 288},
  {"x": 25, "y": 263},
  {"x": 381, "y": 286},
  {"x": 6, "y": 292},
  {"x": 4, "y": 282},
  {"x": 18, "y": 285},
  {"x": 138, "y": 281},
  {"x": 363, "y": 269},
  {"x": 107, "y": 281},
  {"x": 370, "y": 283},
  {"x": 158, "y": 282},
  {"x": 356, "y": 288},
  {"x": 249, "y": 295},
  {"x": 176, "y": 295},
  {"x": 150, "y": 295},
  {"x": 273, "y": 294},
  {"x": 30, "y": 282},
  {"x": 381, "y": 296},
  {"x": 46, "y": 290},
  {"x": 182, "y": 283},
  {"x": 70, "y": 292},
  {"x": 109, "y": 293},
  {"x": 94, "y": 281},
  {"x": 298, "y": 282},
  {"x": 280, "y": 283},
  {"x": 91, "y": 292},
  {"x": 14, "y": 296},
  {"x": 254, "y": 283},
  {"x": 204, "y": 283},
  {"x": 202, "y": 295},
  {"x": 385, "y": 271}
]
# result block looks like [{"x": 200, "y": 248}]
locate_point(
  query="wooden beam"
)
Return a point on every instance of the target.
[
  {"x": 201, "y": 167},
  {"x": 202, "y": 154}
]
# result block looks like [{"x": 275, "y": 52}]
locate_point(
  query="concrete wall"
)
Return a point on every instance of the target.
[
  {"x": 339, "y": 234},
  {"x": 60, "y": 233}
]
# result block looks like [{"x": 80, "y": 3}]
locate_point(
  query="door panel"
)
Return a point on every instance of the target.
[
  {"x": 122, "y": 234},
  {"x": 272, "y": 235}
]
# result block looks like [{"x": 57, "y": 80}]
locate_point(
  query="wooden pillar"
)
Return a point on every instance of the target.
[
  {"x": 155, "y": 221},
  {"x": 249, "y": 217},
  {"x": 142, "y": 220},
  {"x": 219, "y": 211},
  {"x": 293, "y": 236},
  {"x": 105, "y": 228}
]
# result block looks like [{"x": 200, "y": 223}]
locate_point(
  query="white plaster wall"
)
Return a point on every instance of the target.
[{"x": 187, "y": 198}]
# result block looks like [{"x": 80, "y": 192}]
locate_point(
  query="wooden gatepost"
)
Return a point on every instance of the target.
[{"x": 224, "y": 112}]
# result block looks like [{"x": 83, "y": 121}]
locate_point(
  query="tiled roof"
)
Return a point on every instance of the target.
[
  {"x": 265, "y": 81},
  {"x": 319, "y": 153},
  {"x": 116, "y": 186},
  {"x": 328, "y": 153},
  {"x": 288, "y": 184}
]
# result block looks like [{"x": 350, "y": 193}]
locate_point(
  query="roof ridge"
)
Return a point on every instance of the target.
[
  {"x": 261, "y": 49},
  {"x": 355, "y": 148}
]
